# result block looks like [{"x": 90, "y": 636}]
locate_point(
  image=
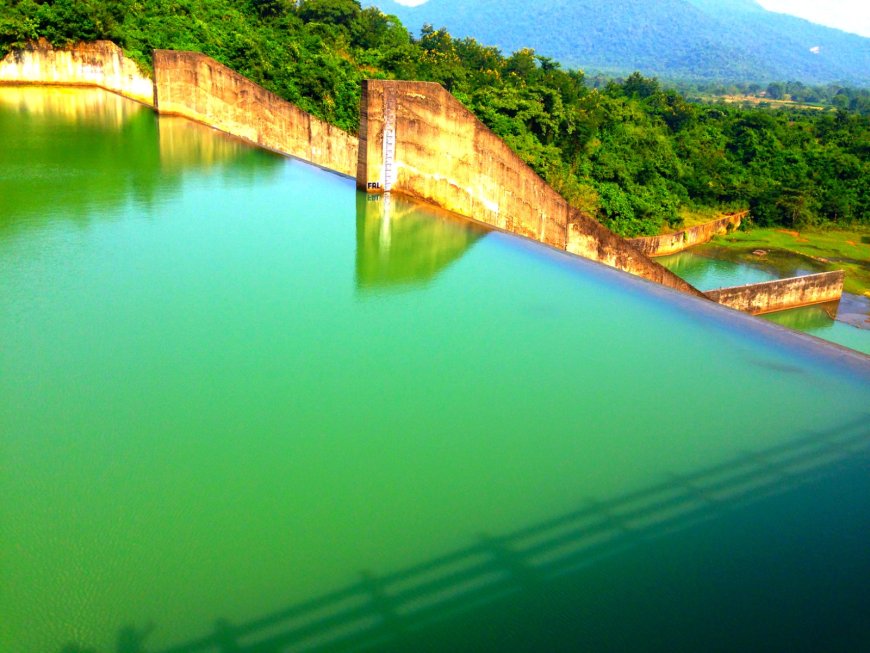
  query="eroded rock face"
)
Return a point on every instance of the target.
[{"x": 101, "y": 63}]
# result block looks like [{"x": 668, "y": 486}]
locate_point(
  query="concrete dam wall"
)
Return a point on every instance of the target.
[
  {"x": 415, "y": 139},
  {"x": 682, "y": 240},
  {"x": 418, "y": 140},
  {"x": 195, "y": 86},
  {"x": 101, "y": 63},
  {"x": 782, "y": 294}
]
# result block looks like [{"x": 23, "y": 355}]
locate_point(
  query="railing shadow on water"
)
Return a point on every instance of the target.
[{"x": 380, "y": 609}]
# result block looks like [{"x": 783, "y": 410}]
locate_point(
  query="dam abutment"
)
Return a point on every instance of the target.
[{"x": 418, "y": 140}]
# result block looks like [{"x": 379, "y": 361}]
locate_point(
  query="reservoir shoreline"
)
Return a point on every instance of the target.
[{"x": 485, "y": 178}]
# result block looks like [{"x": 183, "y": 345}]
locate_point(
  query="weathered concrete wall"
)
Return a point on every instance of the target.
[
  {"x": 101, "y": 64},
  {"x": 192, "y": 85},
  {"x": 782, "y": 294},
  {"x": 418, "y": 140},
  {"x": 680, "y": 240},
  {"x": 590, "y": 239},
  {"x": 445, "y": 156}
]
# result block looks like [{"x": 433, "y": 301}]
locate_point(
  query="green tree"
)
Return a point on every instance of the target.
[{"x": 332, "y": 12}]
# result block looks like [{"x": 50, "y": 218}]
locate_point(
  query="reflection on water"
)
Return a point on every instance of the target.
[
  {"x": 398, "y": 244},
  {"x": 189, "y": 145},
  {"x": 707, "y": 273},
  {"x": 69, "y": 153},
  {"x": 846, "y": 322},
  {"x": 739, "y": 267},
  {"x": 74, "y": 106},
  {"x": 807, "y": 318}
]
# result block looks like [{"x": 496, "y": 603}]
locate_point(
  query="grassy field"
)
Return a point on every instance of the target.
[
  {"x": 754, "y": 101},
  {"x": 821, "y": 250}
]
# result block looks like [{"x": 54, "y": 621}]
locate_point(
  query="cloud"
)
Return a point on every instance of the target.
[{"x": 847, "y": 15}]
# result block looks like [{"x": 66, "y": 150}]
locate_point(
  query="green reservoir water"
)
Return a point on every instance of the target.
[
  {"x": 846, "y": 323},
  {"x": 708, "y": 273},
  {"x": 244, "y": 408}
]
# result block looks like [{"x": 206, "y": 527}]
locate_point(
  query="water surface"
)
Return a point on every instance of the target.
[
  {"x": 846, "y": 323},
  {"x": 243, "y": 405}
]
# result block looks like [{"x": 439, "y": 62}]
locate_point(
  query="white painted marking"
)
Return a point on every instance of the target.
[{"x": 389, "y": 172}]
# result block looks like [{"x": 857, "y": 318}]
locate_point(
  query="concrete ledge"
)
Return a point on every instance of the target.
[
  {"x": 101, "y": 64},
  {"x": 681, "y": 240},
  {"x": 782, "y": 294}
]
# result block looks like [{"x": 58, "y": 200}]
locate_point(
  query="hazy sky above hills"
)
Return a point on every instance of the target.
[{"x": 848, "y": 15}]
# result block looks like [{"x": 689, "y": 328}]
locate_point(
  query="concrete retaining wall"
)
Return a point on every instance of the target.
[
  {"x": 590, "y": 239},
  {"x": 192, "y": 85},
  {"x": 101, "y": 64},
  {"x": 418, "y": 140},
  {"x": 782, "y": 294},
  {"x": 680, "y": 240},
  {"x": 445, "y": 156}
]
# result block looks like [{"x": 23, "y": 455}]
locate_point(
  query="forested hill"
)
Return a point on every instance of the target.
[
  {"x": 725, "y": 40},
  {"x": 632, "y": 154}
]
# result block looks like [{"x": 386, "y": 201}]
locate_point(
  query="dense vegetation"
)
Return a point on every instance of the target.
[
  {"x": 854, "y": 99},
  {"x": 825, "y": 96},
  {"x": 631, "y": 153},
  {"x": 724, "y": 40}
]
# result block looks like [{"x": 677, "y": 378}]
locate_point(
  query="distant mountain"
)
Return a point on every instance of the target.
[{"x": 728, "y": 40}]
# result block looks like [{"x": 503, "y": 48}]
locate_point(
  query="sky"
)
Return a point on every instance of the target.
[{"x": 848, "y": 15}]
